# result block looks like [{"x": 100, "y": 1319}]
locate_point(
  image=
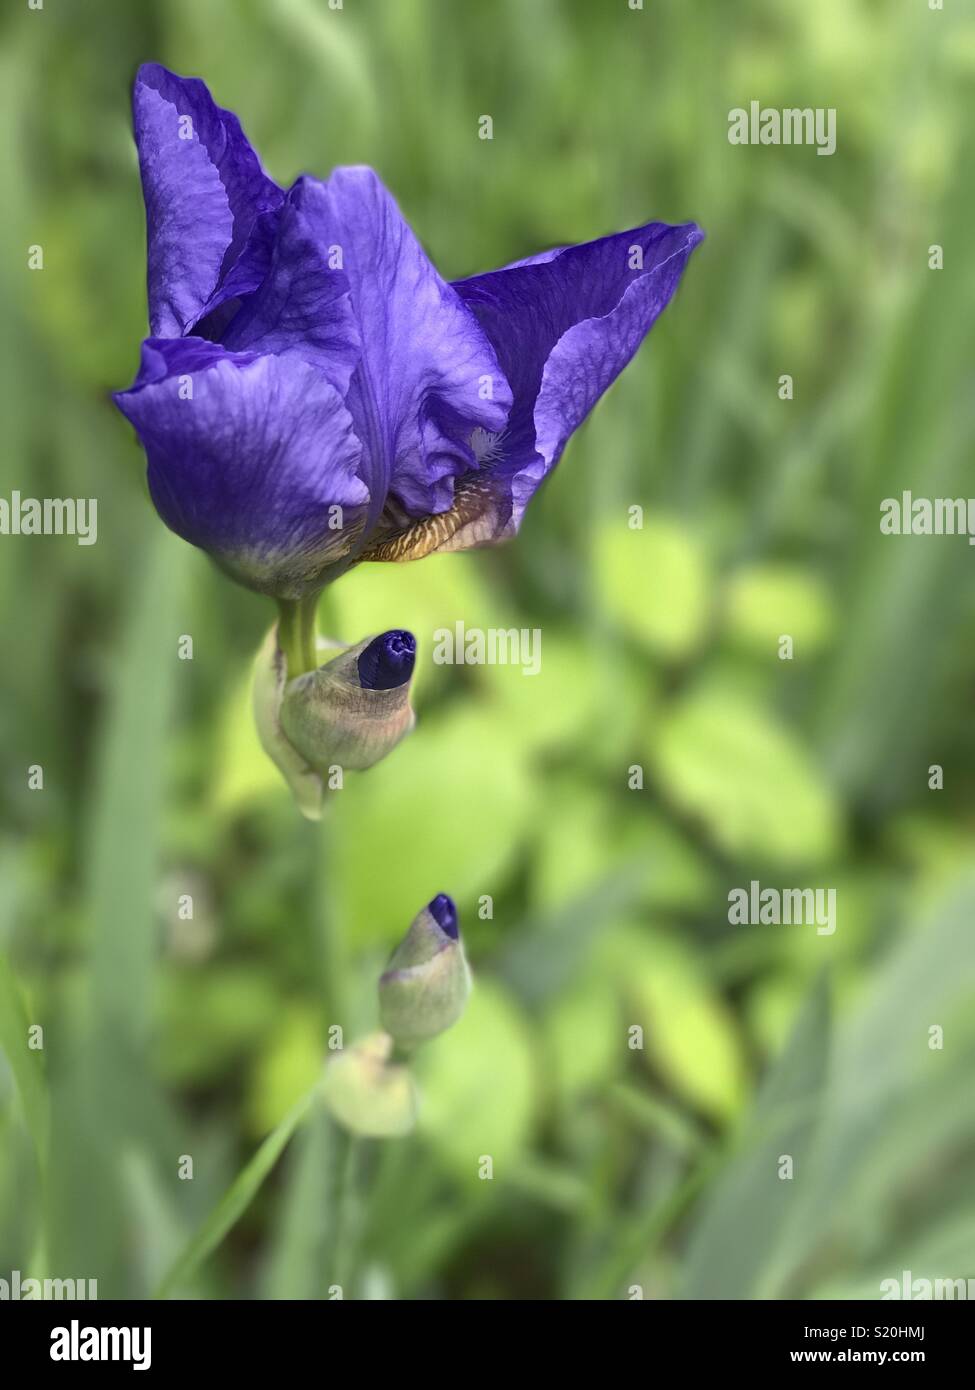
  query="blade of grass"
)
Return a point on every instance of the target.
[
  {"x": 106, "y": 1097},
  {"x": 235, "y": 1200},
  {"x": 25, "y": 1063}
]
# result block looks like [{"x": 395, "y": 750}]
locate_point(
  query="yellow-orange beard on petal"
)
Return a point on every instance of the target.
[{"x": 471, "y": 521}]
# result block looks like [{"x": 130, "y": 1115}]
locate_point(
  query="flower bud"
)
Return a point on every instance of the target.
[
  {"x": 355, "y": 709},
  {"x": 348, "y": 713},
  {"x": 425, "y": 986},
  {"x": 369, "y": 1094}
]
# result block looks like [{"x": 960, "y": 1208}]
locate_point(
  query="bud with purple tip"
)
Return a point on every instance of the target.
[
  {"x": 426, "y": 984},
  {"x": 346, "y": 714}
]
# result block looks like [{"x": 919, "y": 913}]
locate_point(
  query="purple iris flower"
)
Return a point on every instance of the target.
[{"x": 314, "y": 394}]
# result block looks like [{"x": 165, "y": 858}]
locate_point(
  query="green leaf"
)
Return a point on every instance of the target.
[
  {"x": 574, "y": 846},
  {"x": 106, "y": 1096},
  {"x": 443, "y": 590},
  {"x": 294, "y": 1262},
  {"x": 743, "y": 1219},
  {"x": 286, "y": 1070},
  {"x": 898, "y": 1109},
  {"x": 477, "y": 1086},
  {"x": 654, "y": 582},
  {"x": 582, "y": 1038},
  {"x": 242, "y": 1009},
  {"x": 765, "y": 602},
  {"x": 449, "y": 784},
  {"x": 943, "y": 1251},
  {"x": 690, "y": 1036},
  {"x": 125, "y": 820},
  {"x": 564, "y": 700},
  {"x": 756, "y": 789}
]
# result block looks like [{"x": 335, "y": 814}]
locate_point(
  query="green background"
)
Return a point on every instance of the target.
[{"x": 612, "y": 1166}]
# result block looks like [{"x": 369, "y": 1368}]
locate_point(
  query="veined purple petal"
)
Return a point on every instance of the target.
[
  {"x": 428, "y": 377},
  {"x": 247, "y": 274},
  {"x": 564, "y": 328},
  {"x": 303, "y": 307},
  {"x": 564, "y": 324},
  {"x": 248, "y": 457},
  {"x": 539, "y": 258},
  {"x": 204, "y": 191}
]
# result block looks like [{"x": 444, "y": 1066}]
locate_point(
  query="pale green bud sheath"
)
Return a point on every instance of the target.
[
  {"x": 425, "y": 987},
  {"x": 369, "y": 1093},
  {"x": 270, "y": 678}
]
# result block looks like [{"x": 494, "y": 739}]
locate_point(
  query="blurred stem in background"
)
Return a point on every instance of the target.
[
  {"x": 333, "y": 955},
  {"x": 335, "y": 999},
  {"x": 340, "y": 1256}
]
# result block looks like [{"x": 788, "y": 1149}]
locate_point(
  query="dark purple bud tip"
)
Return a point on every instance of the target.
[
  {"x": 444, "y": 913},
  {"x": 388, "y": 660}
]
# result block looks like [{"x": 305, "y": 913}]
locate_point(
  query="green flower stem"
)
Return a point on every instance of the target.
[
  {"x": 332, "y": 950},
  {"x": 335, "y": 1000},
  {"x": 297, "y": 633}
]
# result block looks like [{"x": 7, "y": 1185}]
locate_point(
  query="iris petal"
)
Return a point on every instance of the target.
[
  {"x": 564, "y": 325},
  {"x": 428, "y": 376},
  {"x": 204, "y": 191},
  {"x": 303, "y": 307},
  {"x": 253, "y": 458}
]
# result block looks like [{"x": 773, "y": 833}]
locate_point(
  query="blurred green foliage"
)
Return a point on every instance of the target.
[{"x": 612, "y": 1166}]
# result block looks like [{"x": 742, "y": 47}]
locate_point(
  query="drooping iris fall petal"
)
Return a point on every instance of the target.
[
  {"x": 248, "y": 455},
  {"x": 564, "y": 325}
]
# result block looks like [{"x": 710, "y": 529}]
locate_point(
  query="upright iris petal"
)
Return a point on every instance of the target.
[
  {"x": 205, "y": 194},
  {"x": 428, "y": 377},
  {"x": 303, "y": 307}
]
